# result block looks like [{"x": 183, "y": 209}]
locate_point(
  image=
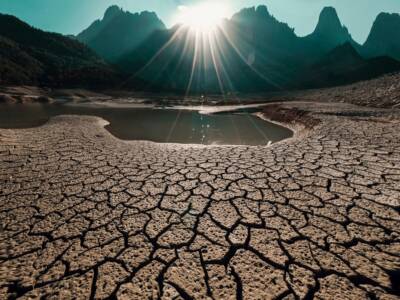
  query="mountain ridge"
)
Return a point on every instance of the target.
[
  {"x": 252, "y": 52},
  {"x": 328, "y": 33},
  {"x": 345, "y": 65},
  {"x": 32, "y": 56},
  {"x": 259, "y": 52},
  {"x": 101, "y": 34}
]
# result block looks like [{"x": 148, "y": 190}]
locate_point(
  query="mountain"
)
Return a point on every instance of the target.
[
  {"x": 173, "y": 60},
  {"x": 119, "y": 32},
  {"x": 184, "y": 61},
  {"x": 328, "y": 34},
  {"x": 257, "y": 33},
  {"x": 252, "y": 51},
  {"x": 345, "y": 65},
  {"x": 32, "y": 56},
  {"x": 341, "y": 57},
  {"x": 384, "y": 38}
]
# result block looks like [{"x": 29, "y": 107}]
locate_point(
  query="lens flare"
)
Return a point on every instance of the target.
[{"x": 203, "y": 17}]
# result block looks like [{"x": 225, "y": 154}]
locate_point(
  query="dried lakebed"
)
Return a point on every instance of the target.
[
  {"x": 157, "y": 125},
  {"x": 85, "y": 215}
]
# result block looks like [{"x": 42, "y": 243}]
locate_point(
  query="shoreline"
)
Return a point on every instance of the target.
[
  {"x": 381, "y": 92},
  {"x": 206, "y": 110}
]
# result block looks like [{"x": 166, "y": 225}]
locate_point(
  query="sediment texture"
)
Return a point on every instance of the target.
[
  {"x": 86, "y": 216},
  {"x": 383, "y": 91}
]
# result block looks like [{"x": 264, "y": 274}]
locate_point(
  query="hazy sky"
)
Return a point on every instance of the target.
[{"x": 72, "y": 16}]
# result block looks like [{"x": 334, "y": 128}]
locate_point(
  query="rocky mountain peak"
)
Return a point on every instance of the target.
[
  {"x": 112, "y": 12},
  {"x": 119, "y": 32},
  {"x": 252, "y": 14},
  {"x": 329, "y": 23},
  {"x": 262, "y": 11},
  {"x": 260, "y": 17},
  {"x": 384, "y": 38},
  {"x": 329, "y": 32},
  {"x": 386, "y": 26}
]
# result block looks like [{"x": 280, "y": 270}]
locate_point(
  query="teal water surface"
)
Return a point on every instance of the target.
[{"x": 157, "y": 125}]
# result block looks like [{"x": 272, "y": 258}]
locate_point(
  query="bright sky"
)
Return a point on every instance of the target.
[{"x": 72, "y": 16}]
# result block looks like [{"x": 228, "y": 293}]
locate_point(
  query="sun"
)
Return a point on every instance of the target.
[{"x": 203, "y": 17}]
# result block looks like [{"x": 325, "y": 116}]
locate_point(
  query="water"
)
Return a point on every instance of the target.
[{"x": 157, "y": 125}]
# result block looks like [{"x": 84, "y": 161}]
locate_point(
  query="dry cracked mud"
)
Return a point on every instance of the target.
[{"x": 86, "y": 216}]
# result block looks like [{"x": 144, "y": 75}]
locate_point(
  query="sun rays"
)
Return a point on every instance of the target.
[
  {"x": 204, "y": 17},
  {"x": 203, "y": 54}
]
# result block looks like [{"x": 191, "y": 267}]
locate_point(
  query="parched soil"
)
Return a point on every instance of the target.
[
  {"x": 280, "y": 113},
  {"x": 381, "y": 92},
  {"x": 86, "y": 216}
]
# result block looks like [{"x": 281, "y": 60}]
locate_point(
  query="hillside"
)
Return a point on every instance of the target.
[
  {"x": 32, "y": 56},
  {"x": 344, "y": 65},
  {"x": 383, "y": 91}
]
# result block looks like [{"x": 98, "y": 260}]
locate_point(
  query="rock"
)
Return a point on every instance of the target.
[
  {"x": 44, "y": 99},
  {"x": 7, "y": 99}
]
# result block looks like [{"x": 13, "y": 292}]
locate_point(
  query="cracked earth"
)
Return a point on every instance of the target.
[{"x": 86, "y": 216}]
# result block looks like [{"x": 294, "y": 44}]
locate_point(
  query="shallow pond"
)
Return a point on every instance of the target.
[{"x": 157, "y": 125}]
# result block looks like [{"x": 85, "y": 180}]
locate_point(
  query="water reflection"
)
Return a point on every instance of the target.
[{"x": 158, "y": 125}]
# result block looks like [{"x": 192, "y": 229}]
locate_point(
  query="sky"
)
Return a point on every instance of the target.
[{"x": 72, "y": 16}]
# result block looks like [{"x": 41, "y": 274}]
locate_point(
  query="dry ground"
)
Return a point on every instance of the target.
[
  {"x": 84, "y": 215},
  {"x": 383, "y": 91}
]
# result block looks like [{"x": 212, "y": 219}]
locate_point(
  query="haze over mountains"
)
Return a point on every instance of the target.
[{"x": 251, "y": 52}]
